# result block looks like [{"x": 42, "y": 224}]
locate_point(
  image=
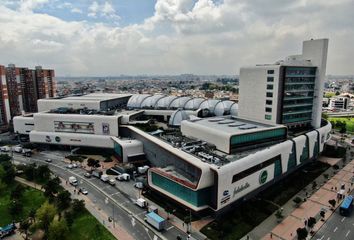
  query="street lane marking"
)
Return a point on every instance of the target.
[
  {"x": 342, "y": 219},
  {"x": 321, "y": 237},
  {"x": 346, "y": 235},
  {"x": 329, "y": 238},
  {"x": 335, "y": 229},
  {"x": 115, "y": 193},
  {"x": 170, "y": 227}
]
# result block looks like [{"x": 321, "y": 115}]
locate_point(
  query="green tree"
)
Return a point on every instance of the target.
[
  {"x": 43, "y": 173},
  {"x": 58, "y": 230},
  {"x": 78, "y": 206},
  {"x": 63, "y": 200},
  {"x": 297, "y": 200},
  {"x": 15, "y": 208},
  {"x": 51, "y": 188},
  {"x": 9, "y": 172},
  {"x": 24, "y": 226},
  {"x": 29, "y": 172},
  {"x": 279, "y": 215},
  {"x": 2, "y": 175},
  {"x": 311, "y": 222},
  {"x": 32, "y": 215},
  {"x": 69, "y": 218},
  {"x": 332, "y": 202},
  {"x": 301, "y": 233},
  {"x": 45, "y": 215},
  {"x": 4, "y": 158},
  {"x": 17, "y": 192}
]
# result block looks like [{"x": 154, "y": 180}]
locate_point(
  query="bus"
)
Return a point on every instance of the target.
[{"x": 347, "y": 206}]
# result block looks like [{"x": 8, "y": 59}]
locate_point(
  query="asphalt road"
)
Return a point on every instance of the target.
[{"x": 99, "y": 192}]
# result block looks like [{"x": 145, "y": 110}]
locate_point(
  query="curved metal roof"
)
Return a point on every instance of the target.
[
  {"x": 164, "y": 103},
  {"x": 150, "y": 102},
  {"x": 234, "y": 109},
  {"x": 223, "y": 108},
  {"x": 177, "y": 117},
  {"x": 136, "y": 100},
  {"x": 194, "y": 103},
  {"x": 209, "y": 104},
  {"x": 179, "y": 102}
]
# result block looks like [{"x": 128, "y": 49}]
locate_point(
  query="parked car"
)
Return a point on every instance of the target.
[
  {"x": 83, "y": 191},
  {"x": 74, "y": 165},
  {"x": 69, "y": 166},
  {"x": 87, "y": 175},
  {"x": 104, "y": 178},
  {"x": 139, "y": 185},
  {"x": 123, "y": 177},
  {"x": 48, "y": 160},
  {"x": 112, "y": 182}
]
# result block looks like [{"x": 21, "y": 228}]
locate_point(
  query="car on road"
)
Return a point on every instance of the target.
[
  {"x": 87, "y": 175},
  {"x": 83, "y": 191},
  {"x": 112, "y": 182},
  {"x": 139, "y": 185},
  {"x": 73, "y": 181},
  {"x": 123, "y": 177},
  {"x": 48, "y": 160},
  {"x": 69, "y": 166},
  {"x": 74, "y": 165}
]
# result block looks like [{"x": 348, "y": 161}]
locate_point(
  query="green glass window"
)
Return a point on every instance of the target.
[
  {"x": 292, "y": 158},
  {"x": 258, "y": 136},
  {"x": 270, "y": 79},
  {"x": 118, "y": 149},
  {"x": 196, "y": 198},
  {"x": 305, "y": 152},
  {"x": 268, "y": 117},
  {"x": 269, "y": 94},
  {"x": 269, "y": 86},
  {"x": 277, "y": 168}
]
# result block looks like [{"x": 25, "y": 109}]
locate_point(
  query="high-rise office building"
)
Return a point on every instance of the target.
[
  {"x": 20, "y": 90},
  {"x": 288, "y": 92}
]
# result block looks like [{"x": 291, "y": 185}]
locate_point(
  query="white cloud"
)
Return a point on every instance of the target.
[
  {"x": 29, "y": 5},
  {"x": 76, "y": 10},
  {"x": 102, "y": 10},
  {"x": 181, "y": 36}
]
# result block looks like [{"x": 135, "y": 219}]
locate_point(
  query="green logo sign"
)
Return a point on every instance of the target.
[{"x": 263, "y": 177}]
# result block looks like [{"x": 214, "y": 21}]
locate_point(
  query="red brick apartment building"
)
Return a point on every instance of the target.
[{"x": 21, "y": 88}]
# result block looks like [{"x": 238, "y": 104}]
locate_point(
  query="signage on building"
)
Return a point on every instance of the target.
[
  {"x": 240, "y": 188},
  {"x": 48, "y": 139},
  {"x": 74, "y": 127},
  {"x": 57, "y": 139},
  {"x": 105, "y": 128},
  {"x": 263, "y": 177}
]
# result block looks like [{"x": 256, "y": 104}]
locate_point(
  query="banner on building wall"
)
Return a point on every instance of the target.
[
  {"x": 105, "y": 128},
  {"x": 74, "y": 127}
]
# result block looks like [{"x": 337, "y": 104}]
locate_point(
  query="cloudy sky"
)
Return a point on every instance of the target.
[{"x": 100, "y": 38}]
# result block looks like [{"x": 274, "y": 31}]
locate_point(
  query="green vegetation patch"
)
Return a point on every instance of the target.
[
  {"x": 32, "y": 199},
  {"x": 347, "y": 120},
  {"x": 86, "y": 226}
]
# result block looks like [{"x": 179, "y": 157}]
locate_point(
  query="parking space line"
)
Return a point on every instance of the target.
[
  {"x": 170, "y": 228},
  {"x": 347, "y": 233},
  {"x": 335, "y": 229}
]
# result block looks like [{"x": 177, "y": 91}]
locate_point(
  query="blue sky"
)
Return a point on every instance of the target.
[{"x": 112, "y": 37}]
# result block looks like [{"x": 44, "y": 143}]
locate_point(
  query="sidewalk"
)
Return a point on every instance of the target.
[
  {"x": 90, "y": 206},
  {"x": 294, "y": 217}
]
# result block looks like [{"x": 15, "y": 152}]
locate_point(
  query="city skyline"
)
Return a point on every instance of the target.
[{"x": 102, "y": 38}]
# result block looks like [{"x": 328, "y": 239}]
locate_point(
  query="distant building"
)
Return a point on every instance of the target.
[
  {"x": 21, "y": 88},
  {"x": 339, "y": 103}
]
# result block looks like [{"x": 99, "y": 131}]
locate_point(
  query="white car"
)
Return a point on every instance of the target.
[
  {"x": 74, "y": 165},
  {"x": 139, "y": 185},
  {"x": 70, "y": 166},
  {"x": 48, "y": 160},
  {"x": 83, "y": 191}
]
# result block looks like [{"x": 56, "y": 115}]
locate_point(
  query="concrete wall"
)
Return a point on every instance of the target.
[
  {"x": 23, "y": 125},
  {"x": 252, "y": 96},
  {"x": 45, "y": 122}
]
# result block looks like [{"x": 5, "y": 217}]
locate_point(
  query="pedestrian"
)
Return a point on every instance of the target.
[
  {"x": 271, "y": 235},
  {"x": 74, "y": 190},
  {"x": 248, "y": 237}
]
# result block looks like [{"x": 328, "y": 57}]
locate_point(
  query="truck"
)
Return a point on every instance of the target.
[
  {"x": 73, "y": 181},
  {"x": 7, "y": 230},
  {"x": 97, "y": 173},
  {"x": 155, "y": 220},
  {"x": 17, "y": 149},
  {"x": 104, "y": 178},
  {"x": 26, "y": 152},
  {"x": 143, "y": 170},
  {"x": 141, "y": 202},
  {"x": 123, "y": 177}
]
